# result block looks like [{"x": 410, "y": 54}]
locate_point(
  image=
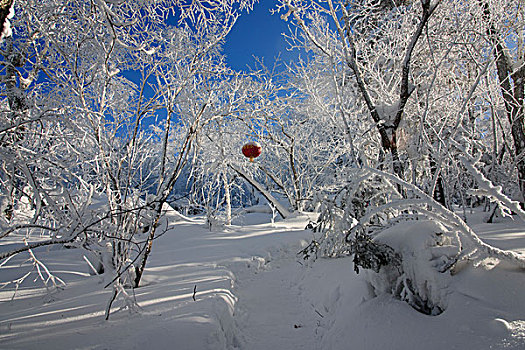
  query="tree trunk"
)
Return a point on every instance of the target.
[
  {"x": 139, "y": 271},
  {"x": 297, "y": 204},
  {"x": 397, "y": 165},
  {"x": 388, "y": 131},
  {"x": 227, "y": 199},
  {"x": 512, "y": 85},
  {"x": 5, "y": 9},
  {"x": 439, "y": 190},
  {"x": 278, "y": 206}
]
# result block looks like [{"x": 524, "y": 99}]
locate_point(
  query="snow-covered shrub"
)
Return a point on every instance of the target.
[
  {"x": 426, "y": 250},
  {"x": 340, "y": 213},
  {"x": 409, "y": 243},
  {"x": 372, "y": 255}
]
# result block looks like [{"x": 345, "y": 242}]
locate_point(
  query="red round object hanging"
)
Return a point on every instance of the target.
[{"x": 252, "y": 150}]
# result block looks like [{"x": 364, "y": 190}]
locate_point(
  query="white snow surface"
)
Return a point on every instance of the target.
[{"x": 254, "y": 292}]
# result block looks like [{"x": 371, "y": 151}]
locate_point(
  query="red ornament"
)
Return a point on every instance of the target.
[{"x": 252, "y": 150}]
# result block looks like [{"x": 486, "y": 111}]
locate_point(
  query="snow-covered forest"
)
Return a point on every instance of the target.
[{"x": 386, "y": 210}]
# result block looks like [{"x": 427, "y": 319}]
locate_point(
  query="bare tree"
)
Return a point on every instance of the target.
[
  {"x": 425, "y": 76},
  {"x": 504, "y": 27},
  {"x": 90, "y": 143},
  {"x": 362, "y": 29}
]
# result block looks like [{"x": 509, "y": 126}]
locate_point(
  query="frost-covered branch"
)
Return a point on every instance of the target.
[
  {"x": 280, "y": 208},
  {"x": 486, "y": 188},
  {"x": 471, "y": 243}
]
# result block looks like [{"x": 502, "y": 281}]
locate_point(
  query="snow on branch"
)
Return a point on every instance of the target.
[
  {"x": 42, "y": 270},
  {"x": 472, "y": 244},
  {"x": 280, "y": 208},
  {"x": 486, "y": 188}
]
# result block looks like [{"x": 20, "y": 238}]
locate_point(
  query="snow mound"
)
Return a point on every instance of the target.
[
  {"x": 173, "y": 214},
  {"x": 427, "y": 250}
]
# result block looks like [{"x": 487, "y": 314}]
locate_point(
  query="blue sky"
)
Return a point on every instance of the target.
[{"x": 257, "y": 33}]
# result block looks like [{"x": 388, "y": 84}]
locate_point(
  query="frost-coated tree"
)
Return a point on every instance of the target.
[
  {"x": 218, "y": 146},
  {"x": 504, "y": 25},
  {"x": 299, "y": 157},
  {"x": 377, "y": 44},
  {"x": 421, "y": 71},
  {"x": 101, "y": 106},
  {"x": 433, "y": 89},
  {"x": 244, "y": 102}
]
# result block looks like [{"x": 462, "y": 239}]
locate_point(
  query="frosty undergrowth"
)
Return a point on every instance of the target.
[{"x": 408, "y": 246}]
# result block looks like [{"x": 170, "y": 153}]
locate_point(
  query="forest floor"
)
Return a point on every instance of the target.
[{"x": 245, "y": 287}]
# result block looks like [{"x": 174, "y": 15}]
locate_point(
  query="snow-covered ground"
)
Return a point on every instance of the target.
[{"x": 252, "y": 291}]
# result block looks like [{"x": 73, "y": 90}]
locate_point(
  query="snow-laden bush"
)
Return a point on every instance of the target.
[
  {"x": 409, "y": 240},
  {"x": 426, "y": 250},
  {"x": 341, "y": 212}
]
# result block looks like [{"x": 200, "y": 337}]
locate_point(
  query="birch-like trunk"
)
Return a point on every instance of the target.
[
  {"x": 227, "y": 199},
  {"x": 278, "y": 206}
]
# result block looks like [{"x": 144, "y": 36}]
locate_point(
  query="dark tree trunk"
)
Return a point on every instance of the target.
[
  {"x": 139, "y": 270},
  {"x": 5, "y": 8},
  {"x": 439, "y": 191},
  {"x": 512, "y": 85},
  {"x": 388, "y": 132}
]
